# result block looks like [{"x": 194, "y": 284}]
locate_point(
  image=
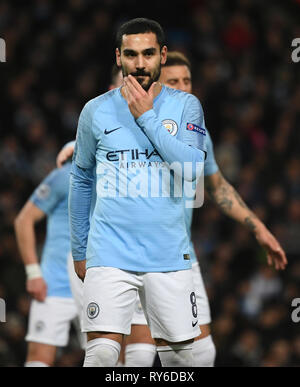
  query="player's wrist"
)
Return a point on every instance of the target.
[
  {"x": 145, "y": 117},
  {"x": 33, "y": 271}
]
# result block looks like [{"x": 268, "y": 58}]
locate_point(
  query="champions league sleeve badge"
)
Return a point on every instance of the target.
[{"x": 171, "y": 126}]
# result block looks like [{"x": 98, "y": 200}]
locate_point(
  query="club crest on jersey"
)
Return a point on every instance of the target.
[
  {"x": 171, "y": 126},
  {"x": 43, "y": 191},
  {"x": 195, "y": 128},
  {"x": 93, "y": 310}
]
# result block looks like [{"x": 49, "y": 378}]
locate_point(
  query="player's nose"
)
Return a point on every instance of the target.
[{"x": 140, "y": 62}]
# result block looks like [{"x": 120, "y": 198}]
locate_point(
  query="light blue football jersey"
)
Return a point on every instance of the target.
[
  {"x": 51, "y": 196},
  {"x": 210, "y": 167},
  {"x": 129, "y": 231}
]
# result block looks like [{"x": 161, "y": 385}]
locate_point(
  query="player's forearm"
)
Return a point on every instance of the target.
[
  {"x": 171, "y": 149},
  {"x": 230, "y": 202},
  {"x": 25, "y": 235},
  {"x": 80, "y": 196}
]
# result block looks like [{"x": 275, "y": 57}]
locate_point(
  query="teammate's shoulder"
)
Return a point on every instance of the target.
[
  {"x": 59, "y": 175},
  {"x": 180, "y": 95}
]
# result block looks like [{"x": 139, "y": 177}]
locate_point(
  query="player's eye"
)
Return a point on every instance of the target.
[{"x": 129, "y": 54}]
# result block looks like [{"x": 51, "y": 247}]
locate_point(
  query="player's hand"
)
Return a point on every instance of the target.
[
  {"x": 80, "y": 269},
  {"x": 275, "y": 253},
  {"x": 139, "y": 101},
  {"x": 63, "y": 155},
  {"x": 37, "y": 288}
]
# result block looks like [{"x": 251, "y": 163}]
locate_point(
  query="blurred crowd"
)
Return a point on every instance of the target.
[{"x": 59, "y": 55}]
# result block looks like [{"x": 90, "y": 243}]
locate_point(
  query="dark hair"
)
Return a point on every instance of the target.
[
  {"x": 140, "y": 26},
  {"x": 176, "y": 58}
]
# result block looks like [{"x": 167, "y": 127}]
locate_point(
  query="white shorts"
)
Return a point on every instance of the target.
[
  {"x": 50, "y": 321},
  {"x": 168, "y": 299},
  {"x": 77, "y": 291},
  {"x": 204, "y": 316}
]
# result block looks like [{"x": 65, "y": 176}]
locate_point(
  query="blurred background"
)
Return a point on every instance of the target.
[{"x": 59, "y": 55}]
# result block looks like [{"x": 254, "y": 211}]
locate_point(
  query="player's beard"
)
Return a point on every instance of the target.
[{"x": 146, "y": 82}]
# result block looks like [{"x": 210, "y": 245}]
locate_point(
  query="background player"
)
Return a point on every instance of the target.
[
  {"x": 176, "y": 73},
  {"x": 52, "y": 308}
]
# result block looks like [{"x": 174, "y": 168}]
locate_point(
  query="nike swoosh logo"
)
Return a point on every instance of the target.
[
  {"x": 194, "y": 323},
  {"x": 110, "y": 131}
]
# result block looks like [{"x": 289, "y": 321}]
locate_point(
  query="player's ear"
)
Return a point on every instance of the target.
[
  {"x": 118, "y": 57},
  {"x": 163, "y": 55}
]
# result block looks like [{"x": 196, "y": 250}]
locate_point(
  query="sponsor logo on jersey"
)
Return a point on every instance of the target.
[
  {"x": 93, "y": 310},
  {"x": 171, "y": 126},
  {"x": 195, "y": 128},
  {"x": 186, "y": 257},
  {"x": 131, "y": 154},
  {"x": 110, "y": 131}
]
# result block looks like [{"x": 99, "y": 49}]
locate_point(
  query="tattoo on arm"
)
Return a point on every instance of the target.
[
  {"x": 249, "y": 223},
  {"x": 229, "y": 201},
  {"x": 239, "y": 199},
  {"x": 220, "y": 193}
]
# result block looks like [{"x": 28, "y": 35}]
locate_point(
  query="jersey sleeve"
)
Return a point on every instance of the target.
[
  {"x": 185, "y": 149},
  {"x": 80, "y": 200},
  {"x": 81, "y": 182},
  {"x": 50, "y": 191},
  {"x": 210, "y": 165},
  {"x": 85, "y": 147},
  {"x": 192, "y": 129}
]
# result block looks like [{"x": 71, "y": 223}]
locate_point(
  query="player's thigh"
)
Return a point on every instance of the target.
[
  {"x": 50, "y": 321},
  {"x": 139, "y": 334},
  {"x": 109, "y": 296},
  {"x": 170, "y": 303},
  {"x": 41, "y": 352}
]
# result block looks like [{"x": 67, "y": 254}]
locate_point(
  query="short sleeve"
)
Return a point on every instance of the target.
[{"x": 51, "y": 191}]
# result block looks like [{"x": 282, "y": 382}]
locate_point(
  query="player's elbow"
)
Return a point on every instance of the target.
[
  {"x": 23, "y": 220},
  {"x": 19, "y": 221}
]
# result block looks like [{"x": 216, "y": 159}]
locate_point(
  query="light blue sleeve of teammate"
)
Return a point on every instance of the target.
[
  {"x": 81, "y": 184},
  {"x": 192, "y": 147},
  {"x": 50, "y": 191},
  {"x": 210, "y": 165},
  {"x": 70, "y": 143}
]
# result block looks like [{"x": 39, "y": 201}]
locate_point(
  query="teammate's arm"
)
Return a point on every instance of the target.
[
  {"x": 171, "y": 150},
  {"x": 65, "y": 153},
  {"x": 229, "y": 201},
  {"x": 25, "y": 235}
]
